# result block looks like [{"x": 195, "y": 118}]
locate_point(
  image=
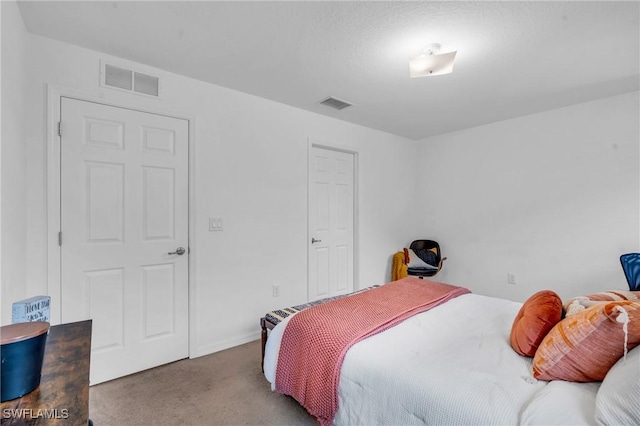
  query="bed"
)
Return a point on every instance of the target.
[{"x": 453, "y": 364}]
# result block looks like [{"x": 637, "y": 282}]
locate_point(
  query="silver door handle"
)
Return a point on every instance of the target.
[
  {"x": 313, "y": 241},
  {"x": 179, "y": 251}
]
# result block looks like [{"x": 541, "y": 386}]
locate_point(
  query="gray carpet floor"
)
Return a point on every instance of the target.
[{"x": 224, "y": 388}]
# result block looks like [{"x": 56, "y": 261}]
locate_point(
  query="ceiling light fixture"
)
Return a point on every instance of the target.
[{"x": 430, "y": 63}]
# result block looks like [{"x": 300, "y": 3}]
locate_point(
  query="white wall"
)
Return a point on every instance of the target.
[
  {"x": 2, "y": 295},
  {"x": 552, "y": 197},
  {"x": 250, "y": 169},
  {"x": 14, "y": 154}
]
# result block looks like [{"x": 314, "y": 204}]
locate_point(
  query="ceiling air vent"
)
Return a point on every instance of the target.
[
  {"x": 129, "y": 80},
  {"x": 335, "y": 103}
]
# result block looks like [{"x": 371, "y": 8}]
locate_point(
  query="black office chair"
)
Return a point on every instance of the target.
[
  {"x": 429, "y": 252},
  {"x": 631, "y": 266}
]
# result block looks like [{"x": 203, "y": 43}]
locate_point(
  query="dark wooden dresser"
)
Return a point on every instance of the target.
[{"x": 63, "y": 395}]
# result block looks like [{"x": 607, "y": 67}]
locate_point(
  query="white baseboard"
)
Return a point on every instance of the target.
[{"x": 225, "y": 344}]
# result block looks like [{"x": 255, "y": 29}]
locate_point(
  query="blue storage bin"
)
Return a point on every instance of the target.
[{"x": 22, "y": 353}]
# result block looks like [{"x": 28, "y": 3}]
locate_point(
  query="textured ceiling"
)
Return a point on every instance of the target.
[{"x": 514, "y": 58}]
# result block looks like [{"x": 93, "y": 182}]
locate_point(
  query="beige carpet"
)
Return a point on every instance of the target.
[{"x": 225, "y": 388}]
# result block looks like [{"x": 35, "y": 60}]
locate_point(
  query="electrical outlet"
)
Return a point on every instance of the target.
[
  {"x": 511, "y": 278},
  {"x": 216, "y": 224},
  {"x": 276, "y": 290}
]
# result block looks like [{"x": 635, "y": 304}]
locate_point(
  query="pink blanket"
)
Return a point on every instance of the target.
[{"x": 316, "y": 340}]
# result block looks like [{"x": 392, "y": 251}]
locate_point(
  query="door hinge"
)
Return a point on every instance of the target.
[
  {"x": 60, "y": 238},
  {"x": 59, "y": 128}
]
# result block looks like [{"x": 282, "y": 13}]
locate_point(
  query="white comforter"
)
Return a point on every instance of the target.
[{"x": 451, "y": 365}]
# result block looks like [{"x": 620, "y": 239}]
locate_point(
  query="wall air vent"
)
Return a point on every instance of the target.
[
  {"x": 335, "y": 103},
  {"x": 118, "y": 77},
  {"x": 132, "y": 81},
  {"x": 144, "y": 83}
]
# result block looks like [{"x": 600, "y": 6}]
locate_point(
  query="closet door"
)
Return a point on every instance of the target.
[{"x": 331, "y": 222}]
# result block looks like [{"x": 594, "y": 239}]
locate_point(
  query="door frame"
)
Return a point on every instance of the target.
[
  {"x": 53, "y": 176},
  {"x": 314, "y": 143}
]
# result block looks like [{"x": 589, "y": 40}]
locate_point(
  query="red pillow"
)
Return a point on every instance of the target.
[
  {"x": 583, "y": 347},
  {"x": 536, "y": 317}
]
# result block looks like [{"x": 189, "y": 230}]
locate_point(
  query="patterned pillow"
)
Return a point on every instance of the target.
[
  {"x": 579, "y": 304},
  {"x": 584, "y": 346},
  {"x": 414, "y": 261},
  {"x": 617, "y": 399},
  {"x": 536, "y": 318}
]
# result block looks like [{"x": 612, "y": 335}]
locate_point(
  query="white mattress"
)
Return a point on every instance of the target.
[{"x": 450, "y": 365}]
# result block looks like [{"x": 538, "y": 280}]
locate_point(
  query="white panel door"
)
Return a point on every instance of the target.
[
  {"x": 331, "y": 223},
  {"x": 124, "y": 214}
]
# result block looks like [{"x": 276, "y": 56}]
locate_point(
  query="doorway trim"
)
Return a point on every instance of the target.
[
  {"x": 53, "y": 176},
  {"x": 315, "y": 143}
]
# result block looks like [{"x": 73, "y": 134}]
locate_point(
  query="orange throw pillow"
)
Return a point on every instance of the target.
[
  {"x": 584, "y": 346},
  {"x": 536, "y": 317}
]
